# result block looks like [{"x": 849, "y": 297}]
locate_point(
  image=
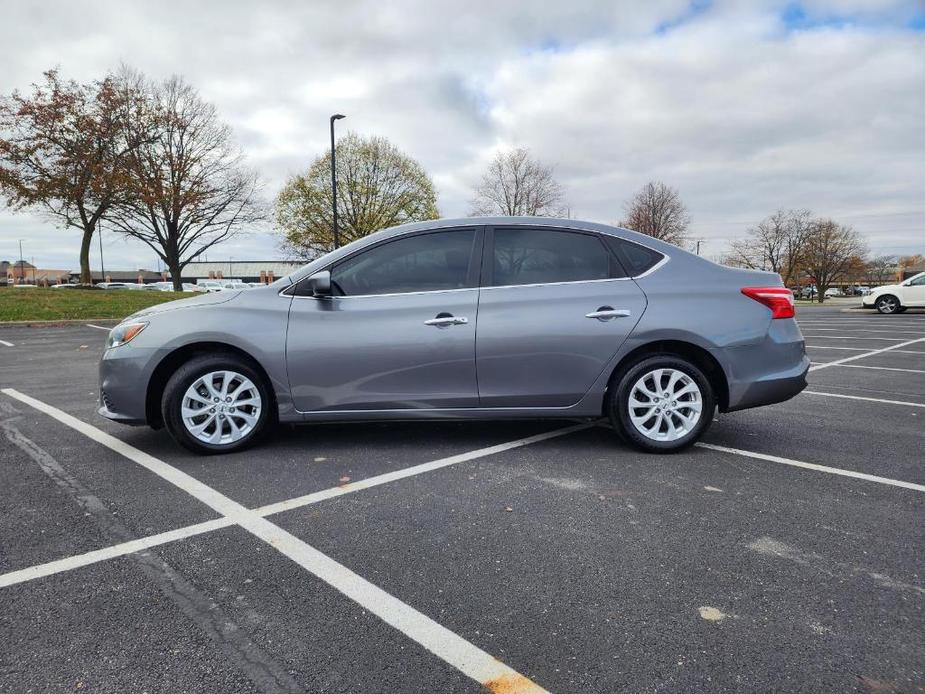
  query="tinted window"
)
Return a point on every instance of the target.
[
  {"x": 918, "y": 281},
  {"x": 426, "y": 262},
  {"x": 530, "y": 256},
  {"x": 635, "y": 258}
]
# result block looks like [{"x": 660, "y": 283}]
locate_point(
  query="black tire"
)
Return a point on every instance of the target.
[
  {"x": 618, "y": 406},
  {"x": 187, "y": 375},
  {"x": 887, "y": 304}
]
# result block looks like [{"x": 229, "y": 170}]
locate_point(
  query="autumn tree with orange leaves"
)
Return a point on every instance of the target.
[{"x": 64, "y": 150}]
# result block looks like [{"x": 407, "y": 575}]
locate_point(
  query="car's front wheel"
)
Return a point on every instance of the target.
[
  {"x": 662, "y": 404},
  {"x": 887, "y": 304},
  {"x": 216, "y": 404}
]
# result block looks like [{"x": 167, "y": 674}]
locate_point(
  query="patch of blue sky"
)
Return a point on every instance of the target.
[{"x": 694, "y": 9}]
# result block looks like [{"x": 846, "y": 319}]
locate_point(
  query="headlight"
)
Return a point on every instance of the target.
[{"x": 122, "y": 333}]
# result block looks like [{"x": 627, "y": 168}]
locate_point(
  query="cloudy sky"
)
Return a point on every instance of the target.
[{"x": 744, "y": 106}]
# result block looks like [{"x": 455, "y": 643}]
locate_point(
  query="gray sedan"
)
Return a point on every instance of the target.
[{"x": 471, "y": 319}]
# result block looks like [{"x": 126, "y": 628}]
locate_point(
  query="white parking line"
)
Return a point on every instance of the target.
[
  {"x": 852, "y": 337},
  {"x": 861, "y": 397},
  {"x": 865, "y": 354},
  {"x": 6, "y": 344},
  {"x": 98, "y": 327},
  {"x": 111, "y": 552},
  {"x": 875, "y": 368},
  {"x": 862, "y": 349},
  {"x": 123, "y": 548},
  {"x": 445, "y": 644},
  {"x": 813, "y": 466},
  {"x": 860, "y": 330},
  {"x": 387, "y": 477}
]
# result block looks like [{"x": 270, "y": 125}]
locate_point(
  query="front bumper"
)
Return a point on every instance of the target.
[{"x": 124, "y": 375}]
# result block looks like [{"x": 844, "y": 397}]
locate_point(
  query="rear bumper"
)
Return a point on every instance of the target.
[
  {"x": 770, "y": 371},
  {"x": 778, "y": 388}
]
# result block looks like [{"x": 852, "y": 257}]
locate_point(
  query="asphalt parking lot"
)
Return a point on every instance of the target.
[{"x": 784, "y": 554}]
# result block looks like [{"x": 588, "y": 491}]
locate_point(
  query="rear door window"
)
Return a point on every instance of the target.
[{"x": 543, "y": 256}]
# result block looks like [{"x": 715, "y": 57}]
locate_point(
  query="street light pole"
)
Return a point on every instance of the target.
[
  {"x": 336, "y": 116},
  {"x": 102, "y": 266}
]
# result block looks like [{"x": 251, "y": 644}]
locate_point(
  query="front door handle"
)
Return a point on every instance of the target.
[
  {"x": 445, "y": 320},
  {"x": 605, "y": 313}
]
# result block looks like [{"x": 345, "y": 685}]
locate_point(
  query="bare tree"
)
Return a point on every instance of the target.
[
  {"x": 830, "y": 252},
  {"x": 190, "y": 188},
  {"x": 517, "y": 185},
  {"x": 64, "y": 150},
  {"x": 657, "y": 211},
  {"x": 775, "y": 244},
  {"x": 378, "y": 186},
  {"x": 881, "y": 269}
]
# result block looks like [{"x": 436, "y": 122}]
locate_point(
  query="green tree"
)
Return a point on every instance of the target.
[{"x": 378, "y": 186}]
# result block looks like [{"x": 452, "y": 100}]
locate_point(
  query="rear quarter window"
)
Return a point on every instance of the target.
[{"x": 636, "y": 259}]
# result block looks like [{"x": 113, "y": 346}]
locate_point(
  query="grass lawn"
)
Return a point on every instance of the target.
[{"x": 64, "y": 304}]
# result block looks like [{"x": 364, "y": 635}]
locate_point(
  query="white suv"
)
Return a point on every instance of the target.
[{"x": 896, "y": 298}]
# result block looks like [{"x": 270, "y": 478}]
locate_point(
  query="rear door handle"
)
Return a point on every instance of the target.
[
  {"x": 444, "y": 321},
  {"x": 605, "y": 313}
]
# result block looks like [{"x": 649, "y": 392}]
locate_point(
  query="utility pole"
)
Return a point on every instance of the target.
[
  {"x": 698, "y": 245},
  {"x": 22, "y": 265},
  {"x": 336, "y": 116}
]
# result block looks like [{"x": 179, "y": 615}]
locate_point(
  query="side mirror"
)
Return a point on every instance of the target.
[{"x": 320, "y": 283}]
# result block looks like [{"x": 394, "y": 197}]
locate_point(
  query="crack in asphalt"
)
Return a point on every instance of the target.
[{"x": 258, "y": 665}]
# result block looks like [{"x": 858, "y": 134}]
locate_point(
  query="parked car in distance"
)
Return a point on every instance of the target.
[
  {"x": 119, "y": 285},
  {"x": 210, "y": 285},
  {"x": 833, "y": 291},
  {"x": 479, "y": 318},
  {"x": 896, "y": 298}
]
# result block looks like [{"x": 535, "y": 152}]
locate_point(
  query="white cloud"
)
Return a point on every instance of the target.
[{"x": 740, "y": 107}]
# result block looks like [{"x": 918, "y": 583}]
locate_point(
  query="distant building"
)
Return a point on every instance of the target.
[
  {"x": 23, "y": 272},
  {"x": 910, "y": 270},
  {"x": 265, "y": 271},
  {"x": 131, "y": 276}
]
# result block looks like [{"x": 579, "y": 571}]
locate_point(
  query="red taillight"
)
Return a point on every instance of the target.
[{"x": 778, "y": 299}]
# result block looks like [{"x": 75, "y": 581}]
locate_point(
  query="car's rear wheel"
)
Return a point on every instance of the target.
[
  {"x": 216, "y": 404},
  {"x": 661, "y": 404},
  {"x": 887, "y": 304}
]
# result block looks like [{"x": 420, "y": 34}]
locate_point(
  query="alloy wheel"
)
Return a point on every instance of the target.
[
  {"x": 665, "y": 404},
  {"x": 221, "y": 407},
  {"x": 887, "y": 305}
]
